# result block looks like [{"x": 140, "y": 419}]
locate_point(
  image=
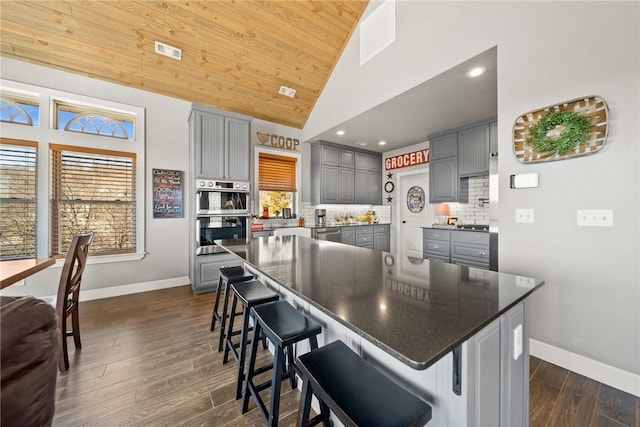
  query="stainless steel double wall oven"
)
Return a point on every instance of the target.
[{"x": 222, "y": 212}]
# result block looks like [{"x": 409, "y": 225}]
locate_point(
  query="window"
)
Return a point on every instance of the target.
[
  {"x": 19, "y": 108},
  {"x": 90, "y": 173},
  {"x": 17, "y": 199},
  {"x": 277, "y": 183},
  {"x": 75, "y": 118},
  {"x": 93, "y": 190}
]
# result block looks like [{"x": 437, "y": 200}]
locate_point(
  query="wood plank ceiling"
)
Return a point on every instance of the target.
[{"x": 235, "y": 54}]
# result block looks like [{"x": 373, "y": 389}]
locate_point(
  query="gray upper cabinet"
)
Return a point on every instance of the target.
[
  {"x": 237, "y": 149},
  {"x": 443, "y": 146},
  {"x": 443, "y": 180},
  {"x": 444, "y": 185},
  {"x": 457, "y": 155},
  {"x": 341, "y": 175},
  {"x": 473, "y": 151},
  {"x": 220, "y": 145}
]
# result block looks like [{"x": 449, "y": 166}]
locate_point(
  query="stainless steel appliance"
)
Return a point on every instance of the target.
[
  {"x": 321, "y": 217},
  {"x": 328, "y": 233},
  {"x": 222, "y": 198},
  {"x": 222, "y": 212}
]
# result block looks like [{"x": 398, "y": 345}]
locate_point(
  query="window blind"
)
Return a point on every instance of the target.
[
  {"x": 17, "y": 199},
  {"x": 277, "y": 173},
  {"x": 93, "y": 190}
]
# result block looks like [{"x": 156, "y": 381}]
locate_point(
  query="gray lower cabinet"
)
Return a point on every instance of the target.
[
  {"x": 470, "y": 248},
  {"x": 381, "y": 238},
  {"x": 436, "y": 244},
  {"x": 367, "y": 236},
  {"x": 457, "y": 247},
  {"x": 207, "y": 270},
  {"x": 219, "y": 144},
  {"x": 498, "y": 372},
  {"x": 364, "y": 236},
  {"x": 348, "y": 236}
]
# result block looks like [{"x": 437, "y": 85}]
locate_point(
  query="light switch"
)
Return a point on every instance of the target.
[
  {"x": 524, "y": 215},
  {"x": 595, "y": 217},
  {"x": 517, "y": 342}
]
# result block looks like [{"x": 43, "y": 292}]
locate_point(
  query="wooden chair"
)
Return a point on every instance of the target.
[{"x": 69, "y": 292}]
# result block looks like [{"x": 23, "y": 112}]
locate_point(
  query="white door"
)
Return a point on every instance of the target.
[{"x": 414, "y": 212}]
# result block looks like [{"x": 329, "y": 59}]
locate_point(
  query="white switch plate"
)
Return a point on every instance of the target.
[
  {"x": 524, "y": 215},
  {"x": 595, "y": 217},
  {"x": 517, "y": 342}
]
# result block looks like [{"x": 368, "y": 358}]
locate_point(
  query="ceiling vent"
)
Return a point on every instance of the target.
[
  {"x": 378, "y": 30},
  {"x": 287, "y": 91},
  {"x": 170, "y": 51}
]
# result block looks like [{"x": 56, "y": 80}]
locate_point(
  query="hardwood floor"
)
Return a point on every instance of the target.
[
  {"x": 149, "y": 359},
  {"x": 558, "y": 397}
]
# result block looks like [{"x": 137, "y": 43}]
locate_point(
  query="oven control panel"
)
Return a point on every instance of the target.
[{"x": 210, "y": 184}]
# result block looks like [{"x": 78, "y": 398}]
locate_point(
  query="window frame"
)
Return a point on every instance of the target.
[
  {"x": 34, "y": 146},
  {"x": 296, "y": 194},
  {"x": 46, "y": 134}
]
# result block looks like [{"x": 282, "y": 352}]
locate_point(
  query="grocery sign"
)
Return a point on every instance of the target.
[{"x": 404, "y": 160}]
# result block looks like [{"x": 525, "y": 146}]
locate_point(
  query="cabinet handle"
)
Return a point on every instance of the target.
[
  {"x": 436, "y": 247},
  {"x": 482, "y": 253},
  {"x": 457, "y": 371}
]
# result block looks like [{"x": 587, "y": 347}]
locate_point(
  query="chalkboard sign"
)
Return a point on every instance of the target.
[{"x": 167, "y": 194}]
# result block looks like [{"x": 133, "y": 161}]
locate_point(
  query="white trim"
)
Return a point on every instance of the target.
[
  {"x": 103, "y": 259},
  {"x": 598, "y": 371},
  {"x": 133, "y": 288}
]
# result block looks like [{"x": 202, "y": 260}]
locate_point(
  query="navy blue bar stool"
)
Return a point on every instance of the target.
[
  {"x": 250, "y": 294},
  {"x": 356, "y": 392},
  {"x": 284, "y": 326},
  {"x": 228, "y": 276}
]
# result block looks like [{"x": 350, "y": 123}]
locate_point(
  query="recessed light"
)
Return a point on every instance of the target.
[
  {"x": 382, "y": 143},
  {"x": 362, "y": 144},
  {"x": 476, "y": 71},
  {"x": 340, "y": 132}
]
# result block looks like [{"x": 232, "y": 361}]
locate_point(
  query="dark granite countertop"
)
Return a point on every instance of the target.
[{"x": 414, "y": 309}]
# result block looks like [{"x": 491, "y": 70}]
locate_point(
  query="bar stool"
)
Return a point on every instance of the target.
[
  {"x": 228, "y": 276},
  {"x": 250, "y": 294},
  {"x": 283, "y": 326},
  {"x": 356, "y": 392}
]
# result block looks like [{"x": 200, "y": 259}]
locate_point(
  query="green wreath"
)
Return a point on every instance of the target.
[{"x": 576, "y": 131}]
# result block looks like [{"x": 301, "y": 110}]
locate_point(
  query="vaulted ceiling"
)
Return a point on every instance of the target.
[{"x": 235, "y": 54}]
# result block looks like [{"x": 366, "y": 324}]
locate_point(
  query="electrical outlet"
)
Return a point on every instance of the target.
[
  {"x": 524, "y": 216},
  {"x": 595, "y": 217}
]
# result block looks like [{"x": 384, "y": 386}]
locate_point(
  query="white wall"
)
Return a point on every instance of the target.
[
  {"x": 547, "y": 52},
  {"x": 167, "y": 134}
]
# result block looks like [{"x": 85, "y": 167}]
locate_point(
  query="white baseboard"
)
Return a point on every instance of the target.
[
  {"x": 133, "y": 288},
  {"x": 598, "y": 371}
]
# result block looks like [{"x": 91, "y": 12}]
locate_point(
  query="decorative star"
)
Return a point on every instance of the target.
[
  {"x": 389, "y": 175},
  {"x": 389, "y": 199}
]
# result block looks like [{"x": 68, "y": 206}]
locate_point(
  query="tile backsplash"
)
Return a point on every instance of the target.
[
  {"x": 333, "y": 211},
  {"x": 477, "y": 210}
]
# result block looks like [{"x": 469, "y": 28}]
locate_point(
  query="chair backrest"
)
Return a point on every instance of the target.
[{"x": 74, "y": 265}]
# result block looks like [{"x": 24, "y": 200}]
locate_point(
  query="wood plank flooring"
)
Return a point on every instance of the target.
[{"x": 149, "y": 359}]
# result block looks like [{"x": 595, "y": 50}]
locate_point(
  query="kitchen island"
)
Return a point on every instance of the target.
[{"x": 454, "y": 335}]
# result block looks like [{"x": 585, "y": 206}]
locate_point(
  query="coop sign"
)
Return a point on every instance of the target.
[
  {"x": 279, "y": 141},
  {"x": 404, "y": 160}
]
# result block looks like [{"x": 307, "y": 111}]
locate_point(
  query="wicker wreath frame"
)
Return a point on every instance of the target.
[{"x": 592, "y": 106}]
